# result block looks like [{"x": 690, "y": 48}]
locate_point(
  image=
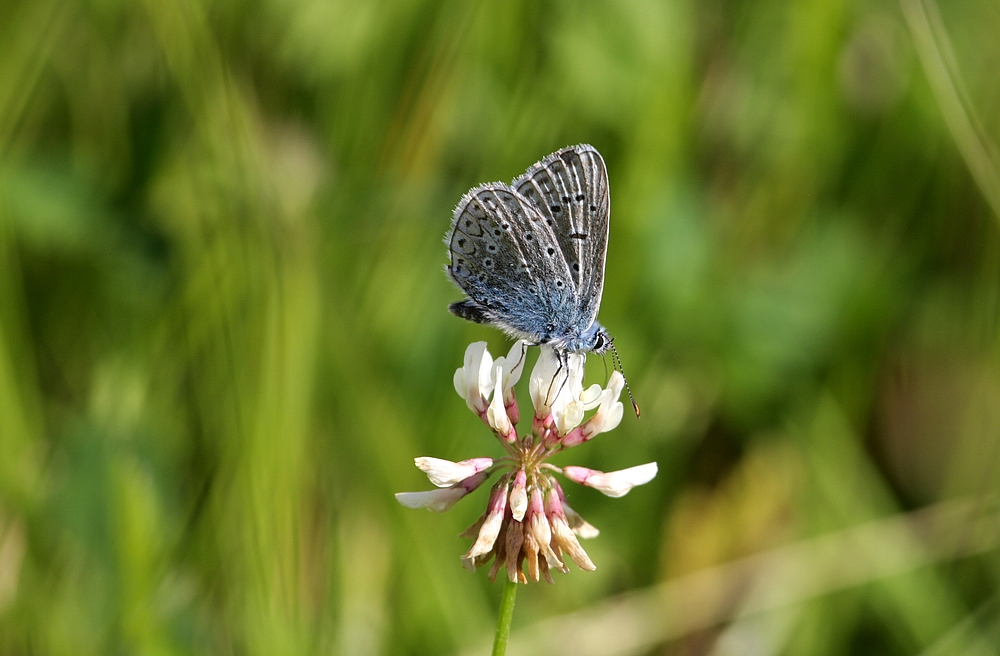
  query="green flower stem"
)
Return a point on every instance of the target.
[{"x": 503, "y": 622}]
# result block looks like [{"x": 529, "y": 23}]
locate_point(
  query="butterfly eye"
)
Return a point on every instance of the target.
[{"x": 551, "y": 251}]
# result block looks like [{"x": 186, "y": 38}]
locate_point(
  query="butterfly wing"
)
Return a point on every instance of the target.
[
  {"x": 507, "y": 259},
  {"x": 569, "y": 189}
]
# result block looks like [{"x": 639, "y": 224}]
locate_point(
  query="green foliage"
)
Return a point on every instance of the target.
[{"x": 224, "y": 336}]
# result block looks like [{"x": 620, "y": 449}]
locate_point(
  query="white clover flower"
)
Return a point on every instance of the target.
[{"x": 527, "y": 521}]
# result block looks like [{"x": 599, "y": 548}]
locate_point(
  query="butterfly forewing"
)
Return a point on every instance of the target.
[
  {"x": 507, "y": 259},
  {"x": 569, "y": 188}
]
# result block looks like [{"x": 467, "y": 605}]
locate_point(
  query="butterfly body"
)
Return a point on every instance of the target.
[{"x": 530, "y": 255}]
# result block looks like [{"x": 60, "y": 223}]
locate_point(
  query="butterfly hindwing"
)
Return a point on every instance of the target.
[{"x": 569, "y": 189}]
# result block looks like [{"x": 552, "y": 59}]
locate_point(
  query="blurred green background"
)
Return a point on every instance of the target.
[{"x": 224, "y": 336}]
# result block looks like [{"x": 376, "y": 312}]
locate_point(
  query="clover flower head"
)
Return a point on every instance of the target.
[{"x": 528, "y": 529}]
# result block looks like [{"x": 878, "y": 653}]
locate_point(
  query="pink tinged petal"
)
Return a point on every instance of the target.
[
  {"x": 562, "y": 534},
  {"x": 496, "y": 415},
  {"x": 519, "y": 496},
  {"x": 574, "y": 438},
  {"x": 539, "y": 528},
  {"x": 490, "y": 529},
  {"x": 541, "y": 427},
  {"x": 614, "y": 484},
  {"x": 445, "y": 472},
  {"x": 444, "y": 498},
  {"x": 499, "y": 551},
  {"x": 512, "y": 412}
]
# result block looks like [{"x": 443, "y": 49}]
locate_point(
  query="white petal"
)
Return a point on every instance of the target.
[
  {"x": 580, "y": 526},
  {"x": 519, "y": 496},
  {"x": 609, "y": 413},
  {"x": 612, "y": 418},
  {"x": 616, "y": 483},
  {"x": 591, "y": 396},
  {"x": 444, "y": 473},
  {"x": 513, "y": 364},
  {"x": 540, "y": 382},
  {"x": 467, "y": 379},
  {"x": 569, "y": 417},
  {"x": 436, "y": 500},
  {"x": 485, "y": 382},
  {"x": 496, "y": 414}
]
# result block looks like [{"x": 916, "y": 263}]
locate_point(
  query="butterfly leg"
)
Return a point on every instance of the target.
[{"x": 563, "y": 357}]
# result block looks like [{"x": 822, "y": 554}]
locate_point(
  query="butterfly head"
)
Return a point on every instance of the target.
[{"x": 601, "y": 342}]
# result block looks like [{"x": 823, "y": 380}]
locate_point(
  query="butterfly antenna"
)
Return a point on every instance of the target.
[{"x": 618, "y": 367}]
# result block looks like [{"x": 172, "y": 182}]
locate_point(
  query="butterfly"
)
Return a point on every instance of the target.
[{"x": 530, "y": 255}]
